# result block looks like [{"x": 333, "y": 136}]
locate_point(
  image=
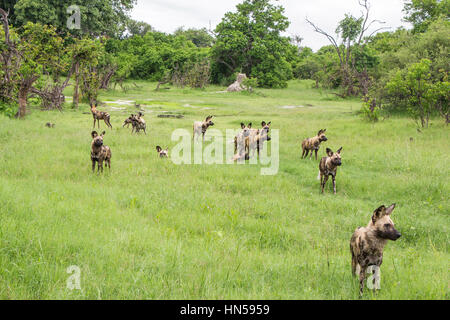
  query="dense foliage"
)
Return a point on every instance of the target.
[{"x": 396, "y": 71}]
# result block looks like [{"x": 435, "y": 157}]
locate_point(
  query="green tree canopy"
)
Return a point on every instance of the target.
[
  {"x": 250, "y": 41},
  {"x": 98, "y": 17},
  {"x": 423, "y": 12}
]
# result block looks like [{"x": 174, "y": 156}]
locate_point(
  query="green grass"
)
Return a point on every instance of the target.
[{"x": 154, "y": 230}]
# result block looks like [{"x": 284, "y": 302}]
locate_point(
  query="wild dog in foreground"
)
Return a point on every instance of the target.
[
  {"x": 162, "y": 153},
  {"x": 201, "y": 127},
  {"x": 99, "y": 115},
  {"x": 313, "y": 144},
  {"x": 328, "y": 167},
  {"x": 99, "y": 152},
  {"x": 50, "y": 125},
  {"x": 367, "y": 245}
]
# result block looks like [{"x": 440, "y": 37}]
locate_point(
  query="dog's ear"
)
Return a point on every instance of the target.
[
  {"x": 94, "y": 134},
  {"x": 324, "y": 130},
  {"x": 263, "y": 123},
  {"x": 242, "y": 125},
  {"x": 167, "y": 149},
  {"x": 329, "y": 152},
  {"x": 339, "y": 151},
  {"x": 208, "y": 118},
  {"x": 390, "y": 209},
  {"x": 103, "y": 133},
  {"x": 320, "y": 132},
  {"x": 158, "y": 149},
  {"x": 378, "y": 214},
  {"x": 269, "y": 124},
  {"x": 250, "y": 125}
]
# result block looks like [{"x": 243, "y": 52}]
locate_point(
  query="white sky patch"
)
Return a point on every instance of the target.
[{"x": 168, "y": 15}]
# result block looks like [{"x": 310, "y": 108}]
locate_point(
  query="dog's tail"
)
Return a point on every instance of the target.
[{"x": 318, "y": 177}]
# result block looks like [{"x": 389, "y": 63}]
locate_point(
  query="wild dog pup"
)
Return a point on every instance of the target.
[
  {"x": 99, "y": 152},
  {"x": 162, "y": 153},
  {"x": 99, "y": 115},
  {"x": 313, "y": 144},
  {"x": 328, "y": 167},
  {"x": 50, "y": 125},
  {"x": 367, "y": 244},
  {"x": 201, "y": 127}
]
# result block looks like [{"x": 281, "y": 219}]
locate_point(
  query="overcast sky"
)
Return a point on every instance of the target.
[{"x": 168, "y": 15}]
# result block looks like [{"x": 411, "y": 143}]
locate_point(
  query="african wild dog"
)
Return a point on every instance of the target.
[
  {"x": 129, "y": 121},
  {"x": 140, "y": 124},
  {"x": 99, "y": 115},
  {"x": 99, "y": 152},
  {"x": 240, "y": 139},
  {"x": 313, "y": 144},
  {"x": 256, "y": 140},
  {"x": 368, "y": 243},
  {"x": 251, "y": 140},
  {"x": 201, "y": 127},
  {"x": 328, "y": 167},
  {"x": 50, "y": 125},
  {"x": 162, "y": 153},
  {"x": 263, "y": 135}
]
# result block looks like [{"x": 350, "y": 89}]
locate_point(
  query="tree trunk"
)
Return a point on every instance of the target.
[
  {"x": 76, "y": 94},
  {"x": 23, "y": 97}
]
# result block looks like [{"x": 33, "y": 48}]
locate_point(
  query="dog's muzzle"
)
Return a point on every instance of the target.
[{"x": 397, "y": 236}]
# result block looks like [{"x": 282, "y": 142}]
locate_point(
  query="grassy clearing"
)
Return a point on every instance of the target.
[{"x": 154, "y": 230}]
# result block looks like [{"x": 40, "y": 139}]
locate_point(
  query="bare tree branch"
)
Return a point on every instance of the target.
[{"x": 329, "y": 37}]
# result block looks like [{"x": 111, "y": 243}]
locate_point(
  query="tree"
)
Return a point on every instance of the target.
[
  {"x": 352, "y": 33},
  {"x": 98, "y": 17},
  {"x": 200, "y": 37},
  {"x": 250, "y": 41},
  {"x": 415, "y": 89},
  {"x": 421, "y": 13},
  {"x": 25, "y": 57},
  {"x": 85, "y": 55},
  {"x": 138, "y": 28}
]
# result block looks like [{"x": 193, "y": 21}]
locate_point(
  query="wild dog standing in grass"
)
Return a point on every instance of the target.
[
  {"x": 368, "y": 243},
  {"x": 140, "y": 123},
  {"x": 313, "y": 144},
  {"x": 263, "y": 136},
  {"x": 256, "y": 140},
  {"x": 99, "y": 152},
  {"x": 201, "y": 127},
  {"x": 328, "y": 167},
  {"x": 240, "y": 141},
  {"x": 162, "y": 153},
  {"x": 129, "y": 121},
  {"x": 99, "y": 115},
  {"x": 50, "y": 125},
  {"x": 251, "y": 140}
]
